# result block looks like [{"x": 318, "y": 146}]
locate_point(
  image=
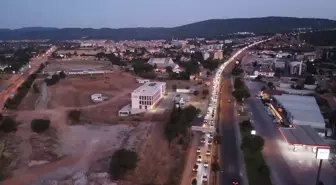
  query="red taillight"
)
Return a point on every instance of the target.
[{"x": 235, "y": 183}]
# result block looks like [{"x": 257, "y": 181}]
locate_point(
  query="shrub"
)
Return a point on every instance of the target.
[
  {"x": 40, "y": 125},
  {"x": 196, "y": 93},
  {"x": 122, "y": 161},
  {"x": 74, "y": 115},
  {"x": 36, "y": 88},
  {"x": 8, "y": 125},
  {"x": 62, "y": 74}
]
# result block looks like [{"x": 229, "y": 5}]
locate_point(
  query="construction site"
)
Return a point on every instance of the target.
[{"x": 79, "y": 153}]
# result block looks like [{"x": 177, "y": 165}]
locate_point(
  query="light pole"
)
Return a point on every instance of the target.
[{"x": 321, "y": 153}]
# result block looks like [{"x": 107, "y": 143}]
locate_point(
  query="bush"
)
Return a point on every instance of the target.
[
  {"x": 122, "y": 161},
  {"x": 74, "y": 115},
  {"x": 53, "y": 80},
  {"x": 252, "y": 144},
  {"x": 8, "y": 125},
  {"x": 62, "y": 75},
  {"x": 40, "y": 125},
  {"x": 174, "y": 87},
  {"x": 36, "y": 88},
  {"x": 195, "y": 93},
  {"x": 205, "y": 92}
]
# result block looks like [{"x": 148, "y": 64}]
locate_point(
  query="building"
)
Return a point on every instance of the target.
[
  {"x": 301, "y": 110},
  {"x": 266, "y": 72},
  {"x": 206, "y": 55},
  {"x": 148, "y": 95},
  {"x": 162, "y": 63},
  {"x": 218, "y": 55},
  {"x": 296, "y": 68}
]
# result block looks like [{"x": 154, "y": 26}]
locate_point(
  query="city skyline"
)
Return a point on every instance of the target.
[{"x": 126, "y": 14}]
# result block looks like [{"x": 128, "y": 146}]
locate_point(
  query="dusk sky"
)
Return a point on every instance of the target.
[{"x": 150, "y": 13}]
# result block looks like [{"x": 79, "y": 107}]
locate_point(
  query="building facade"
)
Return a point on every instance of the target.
[{"x": 148, "y": 95}]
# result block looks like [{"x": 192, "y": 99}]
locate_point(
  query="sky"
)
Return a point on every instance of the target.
[{"x": 150, "y": 13}]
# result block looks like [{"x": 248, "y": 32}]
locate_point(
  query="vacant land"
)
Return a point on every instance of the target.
[
  {"x": 67, "y": 65},
  {"x": 81, "y": 51}
]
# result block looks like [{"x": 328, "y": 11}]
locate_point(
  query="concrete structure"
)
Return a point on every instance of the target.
[
  {"x": 206, "y": 55},
  {"x": 142, "y": 81},
  {"x": 266, "y": 72},
  {"x": 301, "y": 110},
  {"x": 148, "y": 95},
  {"x": 218, "y": 55},
  {"x": 85, "y": 71},
  {"x": 303, "y": 135},
  {"x": 296, "y": 68},
  {"x": 125, "y": 111},
  {"x": 97, "y": 98}
]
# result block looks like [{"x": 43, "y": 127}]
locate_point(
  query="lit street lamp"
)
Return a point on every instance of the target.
[{"x": 253, "y": 132}]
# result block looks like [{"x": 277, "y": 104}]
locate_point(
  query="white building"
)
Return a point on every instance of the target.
[
  {"x": 206, "y": 55},
  {"x": 148, "y": 95},
  {"x": 162, "y": 63},
  {"x": 296, "y": 68}
]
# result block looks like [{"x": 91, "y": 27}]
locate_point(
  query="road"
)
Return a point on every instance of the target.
[
  {"x": 17, "y": 79},
  {"x": 229, "y": 156}
]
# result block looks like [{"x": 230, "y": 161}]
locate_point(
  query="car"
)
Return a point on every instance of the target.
[
  {"x": 199, "y": 158},
  {"x": 195, "y": 168},
  {"x": 198, "y": 150},
  {"x": 205, "y": 164},
  {"x": 194, "y": 182},
  {"x": 210, "y": 136},
  {"x": 205, "y": 178},
  {"x": 229, "y": 101},
  {"x": 210, "y": 142},
  {"x": 208, "y": 153},
  {"x": 203, "y": 140},
  {"x": 235, "y": 182},
  {"x": 212, "y": 125},
  {"x": 199, "y": 115}
]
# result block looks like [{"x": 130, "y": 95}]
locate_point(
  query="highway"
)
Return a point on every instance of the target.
[{"x": 17, "y": 79}]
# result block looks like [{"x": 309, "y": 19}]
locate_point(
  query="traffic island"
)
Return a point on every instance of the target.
[{"x": 252, "y": 146}]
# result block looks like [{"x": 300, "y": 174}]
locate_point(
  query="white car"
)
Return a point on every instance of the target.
[
  {"x": 199, "y": 158},
  {"x": 205, "y": 178},
  {"x": 210, "y": 136},
  {"x": 203, "y": 140},
  {"x": 198, "y": 150},
  {"x": 212, "y": 125},
  {"x": 208, "y": 153},
  {"x": 205, "y": 164}
]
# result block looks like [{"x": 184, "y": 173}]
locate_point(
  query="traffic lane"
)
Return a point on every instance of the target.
[
  {"x": 201, "y": 169},
  {"x": 228, "y": 148},
  {"x": 264, "y": 126}
]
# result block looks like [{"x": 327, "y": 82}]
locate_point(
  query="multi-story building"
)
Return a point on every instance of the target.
[{"x": 148, "y": 95}]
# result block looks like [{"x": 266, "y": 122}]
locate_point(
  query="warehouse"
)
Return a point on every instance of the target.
[
  {"x": 301, "y": 110},
  {"x": 148, "y": 95}
]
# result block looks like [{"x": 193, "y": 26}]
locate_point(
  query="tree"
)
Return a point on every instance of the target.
[
  {"x": 36, "y": 89},
  {"x": 270, "y": 84},
  {"x": 155, "y": 66},
  {"x": 215, "y": 166},
  {"x": 174, "y": 87},
  {"x": 40, "y": 125},
  {"x": 122, "y": 161},
  {"x": 240, "y": 94},
  {"x": 1, "y": 117},
  {"x": 217, "y": 139},
  {"x": 252, "y": 144},
  {"x": 238, "y": 83},
  {"x": 194, "y": 182},
  {"x": 74, "y": 115},
  {"x": 8, "y": 125},
  {"x": 195, "y": 93},
  {"x": 169, "y": 70},
  {"x": 205, "y": 92},
  {"x": 62, "y": 74},
  {"x": 310, "y": 80}
]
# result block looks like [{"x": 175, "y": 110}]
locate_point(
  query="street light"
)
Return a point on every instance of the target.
[
  {"x": 253, "y": 132},
  {"x": 321, "y": 153}
]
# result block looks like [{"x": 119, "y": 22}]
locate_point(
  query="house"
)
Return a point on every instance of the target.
[
  {"x": 206, "y": 55},
  {"x": 162, "y": 63},
  {"x": 218, "y": 55},
  {"x": 266, "y": 72}
]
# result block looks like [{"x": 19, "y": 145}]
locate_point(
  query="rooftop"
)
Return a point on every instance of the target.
[
  {"x": 149, "y": 88},
  {"x": 303, "y": 109},
  {"x": 302, "y": 135}
]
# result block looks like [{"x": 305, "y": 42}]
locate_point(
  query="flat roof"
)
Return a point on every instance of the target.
[
  {"x": 148, "y": 89},
  {"x": 303, "y": 109},
  {"x": 302, "y": 135}
]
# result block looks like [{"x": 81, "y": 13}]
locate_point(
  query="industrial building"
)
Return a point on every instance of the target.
[
  {"x": 148, "y": 95},
  {"x": 162, "y": 63},
  {"x": 301, "y": 110}
]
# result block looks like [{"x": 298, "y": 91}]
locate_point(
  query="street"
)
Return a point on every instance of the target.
[{"x": 229, "y": 156}]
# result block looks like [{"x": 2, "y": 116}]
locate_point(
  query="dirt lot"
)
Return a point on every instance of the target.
[{"x": 80, "y": 51}]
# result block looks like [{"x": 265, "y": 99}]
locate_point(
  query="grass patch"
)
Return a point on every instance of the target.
[{"x": 256, "y": 167}]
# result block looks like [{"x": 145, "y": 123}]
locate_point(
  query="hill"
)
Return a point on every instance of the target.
[
  {"x": 320, "y": 38},
  {"x": 208, "y": 28}
]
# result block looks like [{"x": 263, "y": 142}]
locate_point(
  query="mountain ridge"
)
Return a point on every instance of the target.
[{"x": 207, "y": 28}]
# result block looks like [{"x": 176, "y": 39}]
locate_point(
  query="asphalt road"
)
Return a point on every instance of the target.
[{"x": 229, "y": 157}]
